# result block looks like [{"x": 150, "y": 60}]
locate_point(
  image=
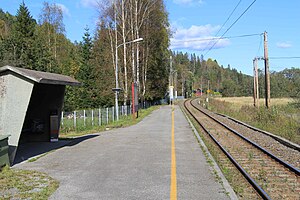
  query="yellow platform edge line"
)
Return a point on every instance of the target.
[{"x": 173, "y": 188}]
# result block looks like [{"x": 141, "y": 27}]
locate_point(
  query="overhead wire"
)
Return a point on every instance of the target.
[
  {"x": 231, "y": 26},
  {"x": 225, "y": 21},
  {"x": 228, "y": 17},
  {"x": 288, "y": 57},
  {"x": 218, "y": 38},
  {"x": 260, "y": 44}
]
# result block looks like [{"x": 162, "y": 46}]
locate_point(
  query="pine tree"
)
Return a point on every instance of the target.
[
  {"x": 86, "y": 72},
  {"x": 23, "y": 37},
  {"x": 87, "y": 45}
]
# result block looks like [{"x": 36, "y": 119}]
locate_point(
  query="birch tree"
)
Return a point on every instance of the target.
[
  {"x": 51, "y": 18},
  {"x": 133, "y": 19}
]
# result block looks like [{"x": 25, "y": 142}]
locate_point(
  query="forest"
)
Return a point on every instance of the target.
[
  {"x": 41, "y": 44},
  {"x": 193, "y": 72}
]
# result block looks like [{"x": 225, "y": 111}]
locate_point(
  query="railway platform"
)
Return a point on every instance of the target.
[{"x": 158, "y": 158}]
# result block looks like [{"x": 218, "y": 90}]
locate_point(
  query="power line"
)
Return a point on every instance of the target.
[
  {"x": 231, "y": 25},
  {"x": 291, "y": 57},
  {"x": 219, "y": 38},
  {"x": 228, "y": 17},
  {"x": 226, "y": 20},
  {"x": 260, "y": 45}
]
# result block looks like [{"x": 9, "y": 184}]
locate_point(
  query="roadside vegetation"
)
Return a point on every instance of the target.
[
  {"x": 69, "y": 132},
  {"x": 24, "y": 184},
  {"x": 282, "y": 119}
]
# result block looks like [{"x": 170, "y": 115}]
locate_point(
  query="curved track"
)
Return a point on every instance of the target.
[{"x": 271, "y": 177}]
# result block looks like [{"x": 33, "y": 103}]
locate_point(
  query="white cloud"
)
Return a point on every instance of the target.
[
  {"x": 283, "y": 45},
  {"x": 197, "y": 38},
  {"x": 89, "y": 3},
  {"x": 64, "y": 9},
  {"x": 188, "y": 2}
]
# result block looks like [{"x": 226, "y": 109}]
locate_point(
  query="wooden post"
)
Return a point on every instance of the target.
[
  {"x": 255, "y": 83},
  {"x": 267, "y": 74}
]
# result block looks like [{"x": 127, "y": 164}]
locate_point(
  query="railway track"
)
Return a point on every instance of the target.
[{"x": 270, "y": 176}]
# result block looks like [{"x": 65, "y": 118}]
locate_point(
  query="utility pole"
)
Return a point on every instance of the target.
[
  {"x": 208, "y": 87},
  {"x": 255, "y": 81},
  {"x": 267, "y": 74},
  {"x": 201, "y": 86},
  {"x": 207, "y": 98}
]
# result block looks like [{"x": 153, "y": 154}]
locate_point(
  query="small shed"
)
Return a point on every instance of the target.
[{"x": 31, "y": 103}]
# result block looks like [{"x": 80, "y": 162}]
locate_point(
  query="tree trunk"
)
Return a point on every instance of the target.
[
  {"x": 132, "y": 47},
  {"x": 124, "y": 53},
  {"x": 137, "y": 45}
]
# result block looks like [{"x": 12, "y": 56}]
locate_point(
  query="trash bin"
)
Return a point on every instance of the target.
[
  {"x": 54, "y": 128},
  {"x": 4, "y": 159}
]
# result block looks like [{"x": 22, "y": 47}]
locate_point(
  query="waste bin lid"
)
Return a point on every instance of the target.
[{"x": 3, "y": 137}]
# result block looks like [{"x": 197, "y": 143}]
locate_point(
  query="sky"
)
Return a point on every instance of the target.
[{"x": 194, "y": 21}]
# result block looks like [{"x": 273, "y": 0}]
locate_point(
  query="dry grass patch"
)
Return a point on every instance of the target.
[
  {"x": 282, "y": 118},
  {"x": 248, "y": 101},
  {"x": 25, "y": 184}
]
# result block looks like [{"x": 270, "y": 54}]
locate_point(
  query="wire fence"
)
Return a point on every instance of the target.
[{"x": 80, "y": 120}]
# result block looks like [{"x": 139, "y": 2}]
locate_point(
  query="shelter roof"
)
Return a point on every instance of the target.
[{"x": 41, "y": 77}]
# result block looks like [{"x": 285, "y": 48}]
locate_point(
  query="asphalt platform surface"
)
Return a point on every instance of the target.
[{"x": 132, "y": 163}]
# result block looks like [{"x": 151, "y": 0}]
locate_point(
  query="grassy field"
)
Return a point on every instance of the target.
[
  {"x": 282, "y": 118},
  {"x": 248, "y": 101}
]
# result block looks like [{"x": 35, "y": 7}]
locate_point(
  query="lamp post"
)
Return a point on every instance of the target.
[{"x": 117, "y": 89}]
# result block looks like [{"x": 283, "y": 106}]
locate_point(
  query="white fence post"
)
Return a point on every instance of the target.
[
  {"x": 113, "y": 113},
  {"x": 99, "y": 117},
  {"x": 62, "y": 118},
  {"x": 92, "y": 117},
  {"x": 106, "y": 115},
  {"x": 75, "y": 120},
  {"x": 84, "y": 118}
]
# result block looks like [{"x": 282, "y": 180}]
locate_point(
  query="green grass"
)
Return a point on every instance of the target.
[
  {"x": 281, "y": 119},
  {"x": 68, "y": 130},
  {"x": 25, "y": 184}
]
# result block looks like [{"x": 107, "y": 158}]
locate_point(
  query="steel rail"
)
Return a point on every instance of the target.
[
  {"x": 275, "y": 137},
  {"x": 254, "y": 184},
  {"x": 287, "y": 165}
]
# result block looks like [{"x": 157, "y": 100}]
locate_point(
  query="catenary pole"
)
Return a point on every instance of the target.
[{"x": 267, "y": 73}]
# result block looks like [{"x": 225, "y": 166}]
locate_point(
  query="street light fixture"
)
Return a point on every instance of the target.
[{"x": 117, "y": 89}]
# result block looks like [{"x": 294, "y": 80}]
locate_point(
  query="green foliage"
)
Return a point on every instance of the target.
[
  {"x": 103, "y": 71},
  {"x": 86, "y": 72},
  {"x": 193, "y": 72},
  {"x": 18, "y": 35},
  {"x": 157, "y": 69}
]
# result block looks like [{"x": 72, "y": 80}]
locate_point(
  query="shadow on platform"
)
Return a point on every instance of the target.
[{"x": 27, "y": 151}]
